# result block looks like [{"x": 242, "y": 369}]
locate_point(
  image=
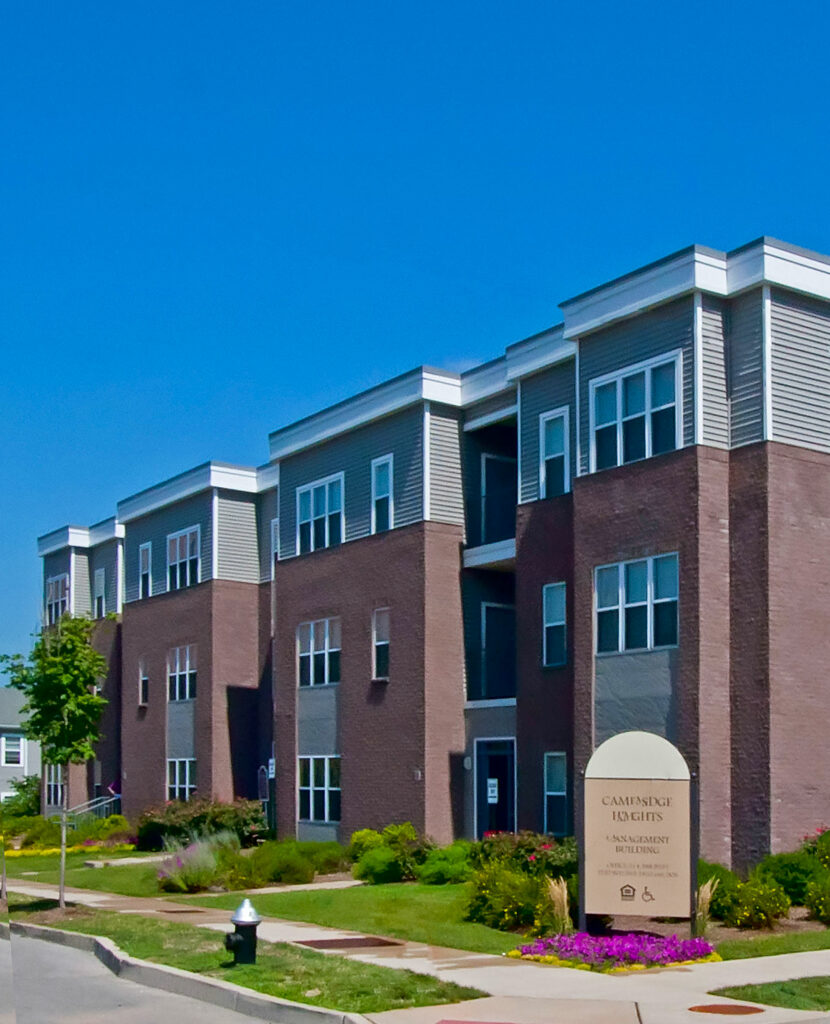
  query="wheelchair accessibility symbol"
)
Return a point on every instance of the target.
[{"x": 647, "y": 897}]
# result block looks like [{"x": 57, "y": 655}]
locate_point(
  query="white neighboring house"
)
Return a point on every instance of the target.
[{"x": 18, "y": 756}]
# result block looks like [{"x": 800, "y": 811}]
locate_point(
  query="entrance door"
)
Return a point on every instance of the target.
[{"x": 495, "y": 786}]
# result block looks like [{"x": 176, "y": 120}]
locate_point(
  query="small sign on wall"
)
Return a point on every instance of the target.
[
  {"x": 272, "y": 767},
  {"x": 492, "y": 791}
]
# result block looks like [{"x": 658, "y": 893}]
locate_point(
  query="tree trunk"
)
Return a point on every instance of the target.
[{"x": 64, "y": 809}]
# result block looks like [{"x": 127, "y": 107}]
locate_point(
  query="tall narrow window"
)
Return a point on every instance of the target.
[
  {"x": 554, "y": 642},
  {"x": 556, "y": 794},
  {"x": 11, "y": 750},
  {"x": 554, "y": 467},
  {"x": 318, "y": 652},
  {"x": 183, "y": 558},
  {"x": 181, "y": 778},
  {"x": 181, "y": 673},
  {"x": 99, "y": 597},
  {"x": 275, "y": 543},
  {"x": 57, "y": 598},
  {"x": 320, "y": 514},
  {"x": 636, "y": 604},
  {"x": 318, "y": 789},
  {"x": 145, "y": 569},
  {"x": 143, "y": 682},
  {"x": 54, "y": 785},
  {"x": 380, "y": 647},
  {"x": 382, "y": 509}
]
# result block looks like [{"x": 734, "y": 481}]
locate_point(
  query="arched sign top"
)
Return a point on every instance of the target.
[{"x": 637, "y": 755}]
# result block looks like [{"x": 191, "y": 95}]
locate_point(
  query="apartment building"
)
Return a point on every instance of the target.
[
  {"x": 19, "y": 757},
  {"x": 438, "y": 596}
]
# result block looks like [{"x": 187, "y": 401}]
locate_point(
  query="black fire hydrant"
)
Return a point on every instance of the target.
[{"x": 242, "y": 941}]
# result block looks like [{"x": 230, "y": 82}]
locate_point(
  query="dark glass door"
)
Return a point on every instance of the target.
[{"x": 495, "y": 786}]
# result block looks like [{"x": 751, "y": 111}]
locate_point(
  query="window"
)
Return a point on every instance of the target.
[
  {"x": 318, "y": 650},
  {"x": 380, "y": 643},
  {"x": 320, "y": 514},
  {"x": 554, "y": 458},
  {"x": 11, "y": 750},
  {"x": 634, "y": 414},
  {"x": 556, "y": 794},
  {"x": 554, "y": 632},
  {"x": 99, "y": 594},
  {"x": 54, "y": 785},
  {"x": 145, "y": 569},
  {"x": 143, "y": 682},
  {"x": 636, "y": 605},
  {"x": 275, "y": 543},
  {"x": 181, "y": 778},
  {"x": 181, "y": 673},
  {"x": 57, "y": 598},
  {"x": 382, "y": 501},
  {"x": 319, "y": 788},
  {"x": 183, "y": 558}
]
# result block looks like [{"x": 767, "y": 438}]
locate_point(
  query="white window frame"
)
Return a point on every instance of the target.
[
  {"x": 309, "y": 488},
  {"x": 99, "y": 591},
  {"x": 326, "y": 650},
  {"x": 676, "y": 355},
  {"x": 562, "y": 412},
  {"x": 390, "y": 461},
  {"x": 183, "y": 664},
  {"x": 5, "y": 795},
  {"x": 382, "y": 643},
  {"x": 197, "y": 529},
  {"x": 327, "y": 788},
  {"x": 144, "y": 677},
  {"x": 275, "y": 543},
  {"x": 4, "y": 748},
  {"x": 54, "y": 785},
  {"x": 184, "y": 782},
  {"x": 621, "y": 605},
  {"x": 148, "y": 547},
  {"x": 546, "y": 624},
  {"x": 53, "y": 604},
  {"x": 554, "y": 792}
]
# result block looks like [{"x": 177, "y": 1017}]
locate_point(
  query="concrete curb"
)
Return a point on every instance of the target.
[
  {"x": 184, "y": 983},
  {"x": 4, "y": 931}
]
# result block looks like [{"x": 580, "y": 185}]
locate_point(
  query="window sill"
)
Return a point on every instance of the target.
[
  {"x": 490, "y": 702},
  {"x": 318, "y": 686},
  {"x": 307, "y": 821},
  {"x": 636, "y": 650},
  {"x": 186, "y": 700},
  {"x": 380, "y": 680}
]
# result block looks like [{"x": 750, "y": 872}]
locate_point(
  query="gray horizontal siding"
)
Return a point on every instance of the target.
[
  {"x": 154, "y": 528},
  {"x": 105, "y": 556},
  {"x": 236, "y": 528},
  {"x": 267, "y": 509},
  {"x": 446, "y": 490},
  {"x": 715, "y": 399},
  {"x": 540, "y": 393},
  {"x": 746, "y": 370},
  {"x": 400, "y": 435},
  {"x": 661, "y": 330},
  {"x": 81, "y": 583},
  {"x": 492, "y": 405},
  {"x": 800, "y": 370}
]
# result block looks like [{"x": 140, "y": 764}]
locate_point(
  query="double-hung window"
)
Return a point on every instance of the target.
[
  {"x": 319, "y": 789},
  {"x": 320, "y": 514},
  {"x": 380, "y": 644},
  {"x": 554, "y": 460},
  {"x": 183, "y": 558},
  {"x": 54, "y": 785},
  {"x": 11, "y": 750},
  {"x": 181, "y": 778},
  {"x": 635, "y": 413},
  {"x": 143, "y": 682},
  {"x": 382, "y": 501},
  {"x": 145, "y": 570},
  {"x": 57, "y": 598},
  {"x": 318, "y": 652},
  {"x": 554, "y": 630},
  {"x": 181, "y": 673},
  {"x": 556, "y": 794},
  {"x": 99, "y": 593},
  {"x": 636, "y": 605}
]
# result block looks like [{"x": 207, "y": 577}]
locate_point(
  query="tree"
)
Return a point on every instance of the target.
[{"x": 60, "y": 681}]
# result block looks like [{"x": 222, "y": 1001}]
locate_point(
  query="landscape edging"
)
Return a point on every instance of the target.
[{"x": 185, "y": 983}]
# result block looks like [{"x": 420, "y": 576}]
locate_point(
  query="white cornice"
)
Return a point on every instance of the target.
[
  {"x": 203, "y": 478},
  {"x": 268, "y": 476},
  {"x": 420, "y": 385},
  {"x": 484, "y": 381},
  {"x": 80, "y": 536},
  {"x": 538, "y": 352}
]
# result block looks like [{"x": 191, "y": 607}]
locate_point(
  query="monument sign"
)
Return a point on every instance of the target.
[{"x": 637, "y": 829}]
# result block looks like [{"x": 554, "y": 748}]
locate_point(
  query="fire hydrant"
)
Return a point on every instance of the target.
[{"x": 242, "y": 941}]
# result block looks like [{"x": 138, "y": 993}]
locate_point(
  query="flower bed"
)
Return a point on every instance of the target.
[
  {"x": 633, "y": 952},
  {"x": 82, "y": 848}
]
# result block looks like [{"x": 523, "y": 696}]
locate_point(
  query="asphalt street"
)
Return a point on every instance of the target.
[{"x": 56, "y": 985}]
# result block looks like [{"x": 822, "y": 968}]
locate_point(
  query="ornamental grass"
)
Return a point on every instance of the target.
[{"x": 631, "y": 952}]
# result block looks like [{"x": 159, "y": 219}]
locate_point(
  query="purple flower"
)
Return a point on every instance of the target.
[{"x": 619, "y": 950}]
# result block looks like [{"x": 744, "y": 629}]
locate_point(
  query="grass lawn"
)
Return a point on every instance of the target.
[
  {"x": 421, "y": 913},
  {"x": 799, "y": 994},
  {"x": 134, "y": 880},
  {"x": 771, "y": 945},
  {"x": 281, "y": 970}
]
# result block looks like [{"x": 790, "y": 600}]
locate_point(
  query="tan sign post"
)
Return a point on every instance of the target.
[{"x": 637, "y": 834}]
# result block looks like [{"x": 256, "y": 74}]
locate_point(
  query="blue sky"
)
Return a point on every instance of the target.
[{"x": 218, "y": 218}]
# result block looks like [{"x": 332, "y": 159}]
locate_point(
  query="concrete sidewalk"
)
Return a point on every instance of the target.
[{"x": 522, "y": 992}]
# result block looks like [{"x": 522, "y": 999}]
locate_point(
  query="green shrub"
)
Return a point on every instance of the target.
[
  {"x": 446, "y": 866},
  {"x": 362, "y": 841},
  {"x": 179, "y": 820},
  {"x": 378, "y": 866},
  {"x": 758, "y": 903},
  {"x": 280, "y": 862},
  {"x": 793, "y": 872},
  {"x": 505, "y": 898},
  {"x": 823, "y": 849},
  {"x": 43, "y": 832},
  {"x": 197, "y": 865},
  {"x": 817, "y": 898},
  {"x": 531, "y": 852},
  {"x": 727, "y": 880},
  {"x": 25, "y": 802},
  {"x": 328, "y": 858}
]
